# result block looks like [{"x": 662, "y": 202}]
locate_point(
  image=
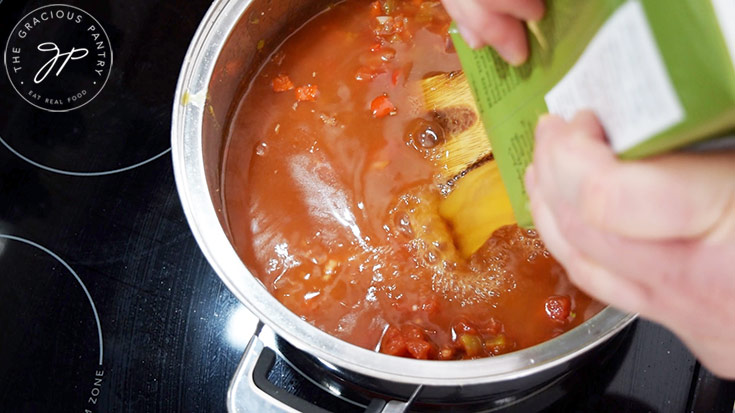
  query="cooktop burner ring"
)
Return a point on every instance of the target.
[
  {"x": 73, "y": 273},
  {"x": 77, "y": 173}
]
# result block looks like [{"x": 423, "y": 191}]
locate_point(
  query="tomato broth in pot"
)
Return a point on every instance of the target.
[
  {"x": 314, "y": 205},
  {"x": 334, "y": 205}
]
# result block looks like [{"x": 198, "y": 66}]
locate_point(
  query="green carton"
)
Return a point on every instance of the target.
[{"x": 660, "y": 75}]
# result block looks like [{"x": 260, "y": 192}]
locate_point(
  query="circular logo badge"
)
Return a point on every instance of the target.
[{"x": 58, "y": 58}]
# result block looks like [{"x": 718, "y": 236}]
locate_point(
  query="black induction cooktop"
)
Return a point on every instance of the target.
[{"x": 106, "y": 303}]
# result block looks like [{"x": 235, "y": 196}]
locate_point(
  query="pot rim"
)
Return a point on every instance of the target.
[{"x": 188, "y": 164}]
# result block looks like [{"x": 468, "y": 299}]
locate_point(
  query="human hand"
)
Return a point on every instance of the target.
[
  {"x": 498, "y": 23},
  {"x": 655, "y": 236}
]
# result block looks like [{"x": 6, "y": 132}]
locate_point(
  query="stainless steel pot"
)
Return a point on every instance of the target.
[{"x": 232, "y": 42}]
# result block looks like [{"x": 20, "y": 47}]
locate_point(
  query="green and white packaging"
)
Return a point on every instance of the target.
[{"x": 660, "y": 75}]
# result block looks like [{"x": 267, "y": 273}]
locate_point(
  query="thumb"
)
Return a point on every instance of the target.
[{"x": 675, "y": 196}]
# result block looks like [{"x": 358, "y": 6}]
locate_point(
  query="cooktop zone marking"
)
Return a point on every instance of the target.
[
  {"x": 73, "y": 173},
  {"x": 76, "y": 276}
]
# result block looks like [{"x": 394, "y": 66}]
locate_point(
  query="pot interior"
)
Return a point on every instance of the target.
[
  {"x": 226, "y": 53},
  {"x": 259, "y": 31}
]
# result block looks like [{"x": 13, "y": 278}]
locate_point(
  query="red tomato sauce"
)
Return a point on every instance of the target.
[{"x": 337, "y": 213}]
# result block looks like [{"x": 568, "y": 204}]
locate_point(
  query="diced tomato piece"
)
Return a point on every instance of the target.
[
  {"x": 419, "y": 349},
  {"x": 395, "y": 76},
  {"x": 282, "y": 83},
  {"x": 412, "y": 332},
  {"x": 387, "y": 54},
  {"x": 307, "y": 93},
  {"x": 387, "y": 27},
  {"x": 558, "y": 307},
  {"x": 382, "y": 107},
  {"x": 463, "y": 326},
  {"x": 393, "y": 342},
  {"x": 364, "y": 73},
  {"x": 376, "y": 9}
]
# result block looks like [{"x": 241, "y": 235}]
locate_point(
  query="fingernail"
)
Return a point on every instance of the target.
[{"x": 470, "y": 37}]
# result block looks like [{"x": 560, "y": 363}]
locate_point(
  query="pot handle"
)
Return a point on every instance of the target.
[{"x": 250, "y": 390}]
